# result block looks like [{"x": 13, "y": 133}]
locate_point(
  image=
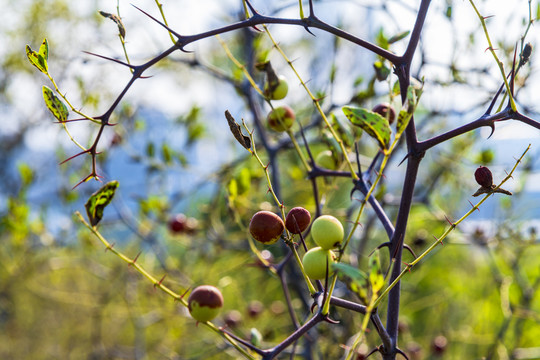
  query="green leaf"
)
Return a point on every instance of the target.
[
  {"x": 355, "y": 279},
  {"x": 400, "y": 36},
  {"x": 166, "y": 153},
  {"x": 39, "y": 60},
  {"x": 349, "y": 271},
  {"x": 99, "y": 200},
  {"x": 381, "y": 70},
  {"x": 376, "y": 278},
  {"x": 372, "y": 123},
  {"x": 55, "y": 105}
]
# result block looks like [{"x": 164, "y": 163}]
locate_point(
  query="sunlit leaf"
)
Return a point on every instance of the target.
[
  {"x": 38, "y": 59},
  {"x": 372, "y": 123},
  {"x": 376, "y": 278},
  {"x": 44, "y": 49},
  {"x": 55, "y": 105},
  {"x": 408, "y": 109},
  {"x": 99, "y": 200}
]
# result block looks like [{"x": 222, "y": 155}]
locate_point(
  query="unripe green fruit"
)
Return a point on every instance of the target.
[
  {"x": 205, "y": 302},
  {"x": 327, "y": 232},
  {"x": 326, "y": 160},
  {"x": 281, "y": 118},
  {"x": 297, "y": 220},
  {"x": 278, "y": 91},
  {"x": 266, "y": 227},
  {"x": 315, "y": 261}
]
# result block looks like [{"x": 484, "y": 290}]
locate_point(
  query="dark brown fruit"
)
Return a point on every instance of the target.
[
  {"x": 483, "y": 177},
  {"x": 266, "y": 227},
  {"x": 297, "y": 220},
  {"x": 383, "y": 109}
]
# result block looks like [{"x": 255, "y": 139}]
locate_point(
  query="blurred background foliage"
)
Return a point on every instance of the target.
[{"x": 63, "y": 297}]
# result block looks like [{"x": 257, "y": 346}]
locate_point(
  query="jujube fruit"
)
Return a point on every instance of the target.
[
  {"x": 205, "y": 302},
  {"x": 266, "y": 227},
  {"x": 483, "y": 177},
  {"x": 278, "y": 90},
  {"x": 315, "y": 262},
  {"x": 386, "y": 111},
  {"x": 327, "y": 232},
  {"x": 297, "y": 220},
  {"x": 281, "y": 118}
]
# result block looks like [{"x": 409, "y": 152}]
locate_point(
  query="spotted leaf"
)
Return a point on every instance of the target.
[
  {"x": 55, "y": 105},
  {"x": 372, "y": 123}
]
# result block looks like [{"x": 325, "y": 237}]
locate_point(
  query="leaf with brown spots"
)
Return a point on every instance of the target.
[{"x": 372, "y": 123}]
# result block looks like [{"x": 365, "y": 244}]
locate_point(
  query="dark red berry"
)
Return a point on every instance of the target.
[
  {"x": 297, "y": 220},
  {"x": 483, "y": 177}
]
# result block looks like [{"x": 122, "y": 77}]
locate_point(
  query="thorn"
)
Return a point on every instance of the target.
[
  {"x": 111, "y": 59},
  {"x": 313, "y": 307},
  {"x": 135, "y": 259},
  {"x": 185, "y": 292},
  {"x": 330, "y": 320},
  {"x": 269, "y": 190},
  {"x": 74, "y": 156},
  {"x": 451, "y": 223},
  {"x": 94, "y": 175},
  {"x": 405, "y": 158},
  {"x": 251, "y": 7},
  {"x": 440, "y": 241},
  {"x": 408, "y": 265},
  {"x": 386, "y": 244},
  {"x": 357, "y": 223},
  {"x": 109, "y": 247},
  {"x": 160, "y": 281},
  {"x": 254, "y": 27},
  {"x": 377, "y": 349},
  {"x": 309, "y": 31},
  {"x": 383, "y": 175},
  {"x": 492, "y": 126},
  {"x": 487, "y": 17},
  {"x": 399, "y": 351},
  {"x": 159, "y": 22},
  {"x": 490, "y": 48},
  {"x": 410, "y": 250}
]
